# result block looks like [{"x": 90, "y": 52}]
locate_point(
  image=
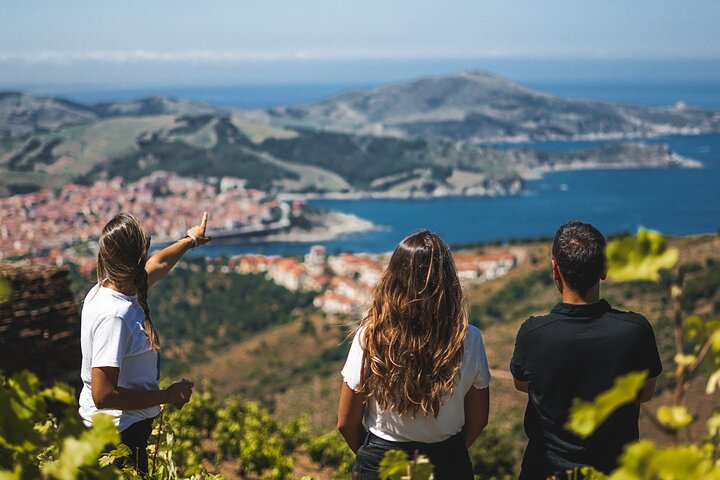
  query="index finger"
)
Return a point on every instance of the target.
[{"x": 204, "y": 220}]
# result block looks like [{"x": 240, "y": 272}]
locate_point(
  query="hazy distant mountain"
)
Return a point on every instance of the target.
[
  {"x": 410, "y": 138},
  {"x": 479, "y": 107},
  {"x": 22, "y": 114},
  {"x": 155, "y": 105},
  {"x": 285, "y": 160}
]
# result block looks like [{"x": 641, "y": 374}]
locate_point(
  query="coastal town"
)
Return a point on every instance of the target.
[
  {"x": 53, "y": 226},
  {"x": 61, "y": 227},
  {"x": 344, "y": 282}
]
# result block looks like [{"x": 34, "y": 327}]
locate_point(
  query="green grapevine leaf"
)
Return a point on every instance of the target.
[
  {"x": 635, "y": 462},
  {"x": 675, "y": 417},
  {"x": 84, "y": 450},
  {"x": 62, "y": 392},
  {"x": 713, "y": 382},
  {"x": 694, "y": 326},
  {"x": 684, "y": 360},
  {"x": 586, "y": 417},
  {"x": 715, "y": 338},
  {"x": 642, "y": 460},
  {"x": 26, "y": 387},
  {"x": 423, "y": 469},
  {"x": 640, "y": 257},
  {"x": 713, "y": 424},
  {"x": 394, "y": 465},
  {"x": 122, "y": 451},
  {"x": 681, "y": 463},
  {"x": 589, "y": 473},
  {"x": 21, "y": 408},
  {"x": 15, "y": 474},
  {"x": 6, "y": 290}
]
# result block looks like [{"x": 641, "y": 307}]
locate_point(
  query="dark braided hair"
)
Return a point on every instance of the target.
[{"x": 122, "y": 255}]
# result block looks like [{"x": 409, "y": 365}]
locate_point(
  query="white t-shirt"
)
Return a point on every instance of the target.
[
  {"x": 112, "y": 335},
  {"x": 451, "y": 417}
]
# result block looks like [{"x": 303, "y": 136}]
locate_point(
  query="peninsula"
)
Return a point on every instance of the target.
[{"x": 431, "y": 136}]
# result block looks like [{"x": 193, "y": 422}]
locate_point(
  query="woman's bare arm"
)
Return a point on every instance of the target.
[
  {"x": 477, "y": 410},
  {"x": 163, "y": 261},
  {"x": 107, "y": 395},
  {"x": 351, "y": 410}
]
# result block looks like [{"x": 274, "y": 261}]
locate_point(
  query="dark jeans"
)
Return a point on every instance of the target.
[
  {"x": 525, "y": 474},
  {"x": 136, "y": 438},
  {"x": 450, "y": 457}
]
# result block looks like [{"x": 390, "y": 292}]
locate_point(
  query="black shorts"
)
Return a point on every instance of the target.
[
  {"x": 136, "y": 438},
  {"x": 449, "y": 457}
]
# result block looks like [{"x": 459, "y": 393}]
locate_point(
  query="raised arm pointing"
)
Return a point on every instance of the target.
[{"x": 163, "y": 261}]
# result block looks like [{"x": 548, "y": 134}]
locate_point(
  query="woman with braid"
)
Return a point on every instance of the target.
[
  {"x": 120, "y": 345},
  {"x": 416, "y": 377}
]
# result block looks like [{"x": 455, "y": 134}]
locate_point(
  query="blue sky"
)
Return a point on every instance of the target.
[{"x": 156, "y": 41}]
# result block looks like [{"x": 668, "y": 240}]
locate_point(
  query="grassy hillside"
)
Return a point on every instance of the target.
[
  {"x": 51, "y": 160},
  {"x": 52, "y": 143},
  {"x": 22, "y": 114}
]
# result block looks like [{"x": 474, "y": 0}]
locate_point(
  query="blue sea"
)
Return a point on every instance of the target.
[{"x": 673, "y": 201}]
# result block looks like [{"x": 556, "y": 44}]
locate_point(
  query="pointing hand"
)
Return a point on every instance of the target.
[{"x": 198, "y": 231}]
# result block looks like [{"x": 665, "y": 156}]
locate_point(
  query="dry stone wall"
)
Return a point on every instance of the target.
[{"x": 39, "y": 323}]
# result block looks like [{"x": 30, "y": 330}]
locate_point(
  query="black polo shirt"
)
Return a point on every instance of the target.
[{"x": 577, "y": 351}]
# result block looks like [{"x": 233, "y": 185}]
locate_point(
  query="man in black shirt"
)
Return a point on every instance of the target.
[{"x": 577, "y": 351}]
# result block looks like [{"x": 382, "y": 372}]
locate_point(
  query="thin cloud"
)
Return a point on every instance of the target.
[{"x": 209, "y": 56}]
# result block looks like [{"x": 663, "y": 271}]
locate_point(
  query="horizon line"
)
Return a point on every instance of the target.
[{"x": 142, "y": 56}]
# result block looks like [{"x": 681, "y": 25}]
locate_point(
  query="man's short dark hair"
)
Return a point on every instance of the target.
[{"x": 579, "y": 251}]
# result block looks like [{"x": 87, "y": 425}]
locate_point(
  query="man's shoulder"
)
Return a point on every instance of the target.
[
  {"x": 537, "y": 322},
  {"x": 630, "y": 317}
]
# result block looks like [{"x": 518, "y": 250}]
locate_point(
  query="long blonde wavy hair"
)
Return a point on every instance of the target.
[
  {"x": 414, "y": 330},
  {"x": 122, "y": 254}
]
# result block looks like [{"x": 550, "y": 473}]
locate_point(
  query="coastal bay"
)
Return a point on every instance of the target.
[
  {"x": 674, "y": 201},
  {"x": 369, "y": 190}
]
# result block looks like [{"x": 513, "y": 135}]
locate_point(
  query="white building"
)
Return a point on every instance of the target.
[
  {"x": 289, "y": 273},
  {"x": 315, "y": 260},
  {"x": 334, "y": 304},
  {"x": 484, "y": 267}
]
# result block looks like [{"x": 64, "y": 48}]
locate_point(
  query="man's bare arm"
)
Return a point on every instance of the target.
[
  {"x": 648, "y": 390},
  {"x": 521, "y": 385}
]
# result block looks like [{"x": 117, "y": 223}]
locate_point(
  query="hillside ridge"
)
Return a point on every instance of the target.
[
  {"x": 426, "y": 137},
  {"x": 480, "y": 107},
  {"x": 22, "y": 114}
]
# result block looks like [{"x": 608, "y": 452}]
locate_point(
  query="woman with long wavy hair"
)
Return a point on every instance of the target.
[
  {"x": 119, "y": 342},
  {"x": 416, "y": 373}
]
